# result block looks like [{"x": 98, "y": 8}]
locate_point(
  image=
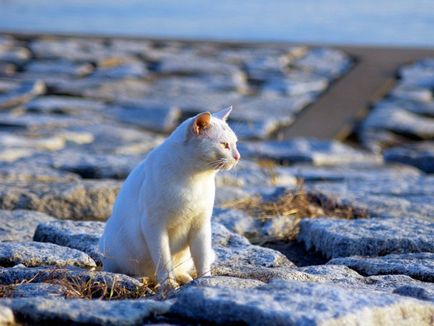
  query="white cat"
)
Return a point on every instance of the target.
[{"x": 160, "y": 225}]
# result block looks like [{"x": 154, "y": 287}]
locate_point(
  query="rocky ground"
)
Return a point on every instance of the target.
[{"x": 306, "y": 232}]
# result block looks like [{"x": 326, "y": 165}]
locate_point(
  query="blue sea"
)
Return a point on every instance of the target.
[{"x": 358, "y": 22}]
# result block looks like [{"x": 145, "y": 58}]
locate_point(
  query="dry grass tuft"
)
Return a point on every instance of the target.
[
  {"x": 93, "y": 289},
  {"x": 295, "y": 205},
  {"x": 77, "y": 287}
]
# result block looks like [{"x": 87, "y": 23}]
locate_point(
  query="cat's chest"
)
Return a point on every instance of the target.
[{"x": 192, "y": 200}]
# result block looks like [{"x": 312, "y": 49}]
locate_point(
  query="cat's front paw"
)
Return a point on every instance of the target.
[
  {"x": 183, "y": 278},
  {"x": 168, "y": 286}
]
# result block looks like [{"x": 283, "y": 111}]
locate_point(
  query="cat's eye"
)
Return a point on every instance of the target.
[{"x": 224, "y": 145}]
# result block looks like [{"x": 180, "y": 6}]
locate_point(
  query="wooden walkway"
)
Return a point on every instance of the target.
[{"x": 336, "y": 112}]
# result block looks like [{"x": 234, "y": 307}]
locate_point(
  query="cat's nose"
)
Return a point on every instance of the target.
[{"x": 237, "y": 156}]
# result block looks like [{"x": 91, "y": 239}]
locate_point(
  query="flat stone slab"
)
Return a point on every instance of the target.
[
  {"x": 420, "y": 155},
  {"x": 105, "y": 139},
  {"x": 63, "y": 105},
  {"x": 90, "y": 166},
  {"x": 85, "y": 312},
  {"x": 155, "y": 118},
  {"x": 342, "y": 276},
  {"x": 318, "y": 152},
  {"x": 417, "y": 265},
  {"x": 366, "y": 237},
  {"x": 257, "y": 230},
  {"x": 80, "y": 235},
  {"x": 33, "y": 253},
  {"x": 25, "y": 92},
  {"x": 249, "y": 174},
  {"x": 299, "y": 303},
  {"x": 25, "y": 171},
  {"x": 86, "y": 199},
  {"x": 325, "y": 62},
  {"x": 20, "y": 225},
  {"x": 37, "y": 122},
  {"x": 341, "y": 173},
  {"x": 31, "y": 290},
  {"x": 400, "y": 121},
  {"x": 60, "y": 67},
  {"x": 408, "y": 196},
  {"x": 233, "y": 249}
]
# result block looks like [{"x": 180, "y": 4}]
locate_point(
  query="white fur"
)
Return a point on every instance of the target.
[{"x": 160, "y": 225}]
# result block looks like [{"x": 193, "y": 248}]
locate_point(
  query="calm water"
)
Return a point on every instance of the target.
[{"x": 376, "y": 22}]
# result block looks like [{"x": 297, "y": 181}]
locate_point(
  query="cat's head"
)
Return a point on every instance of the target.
[{"x": 214, "y": 143}]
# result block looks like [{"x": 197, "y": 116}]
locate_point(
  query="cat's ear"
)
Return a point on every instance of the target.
[
  {"x": 223, "y": 114},
  {"x": 201, "y": 123}
]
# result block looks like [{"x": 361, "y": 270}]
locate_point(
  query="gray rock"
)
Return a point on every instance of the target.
[
  {"x": 61, "y": 67},
  {"x": 82, "y": 236},
  {"x": 23, "y": 171},
  {"x": 310, "y": 173},
  {"x": 249, "y": 174},
  {"x": 404, "y": 92},
  {"x": 326, "y": 62},
  {"x": 190, "y": 64},
  {"x": 317, "y": 152},
  {"x": 63, "y": 104},
  {"x": 232, "y": 249},
  {"x": 343, "y": 276},
  {"x": 264, "y": 274},
  {"x": 212, "y": 101},
  {"x": 72, "y": 49},
  {"x": 366, "y": 237},
  {"x": 257, "y": 230},
  {"x": 299, "y": 303},
  {"x": 225, "y": 195},
  {"x": 32, "y": 254},
  {"x": 416, "y": 292},
  {"x": 226, "y": 282},
  {"x": 296, "y": 83},
  {"x": 37, "y": 122},
  {"x": 396, "y": 197},
  {"x": 132, "y": 69},
  {"x": 255, "y": 130},
  {"x": 152, "y": 117},
  {"x": 14, "y": 147},
  {"x": 86, "y": 312},
  {"x": 113, "y": 139},
  {"x": 421, "y": 108},
  {"x": 266, "y": 107},
  {"x": 15, "y": 55},
  {"x": 398, "y": 121},
  {"x": 420, "y": 155},
  {"x": 135, "y": 47},
  {"x": 417, "y": 265},
  {"x": 419, "y": 74},
  {"x": 6, "y": 316},
  {"x": 93, "y": 166},
  {"x": 20, "y": 225},
  {"x": 81, "y": 200},
  {"x": 174, "y": 85},
  {"x": 7, "y": 69},
  {"x": 25, "y": 92},
  {"x": 103, "y": 89},
  {"x": 31, "y": 290}
]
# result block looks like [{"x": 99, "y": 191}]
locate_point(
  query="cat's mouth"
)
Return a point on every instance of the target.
[{"x": 229, "y": 166}]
